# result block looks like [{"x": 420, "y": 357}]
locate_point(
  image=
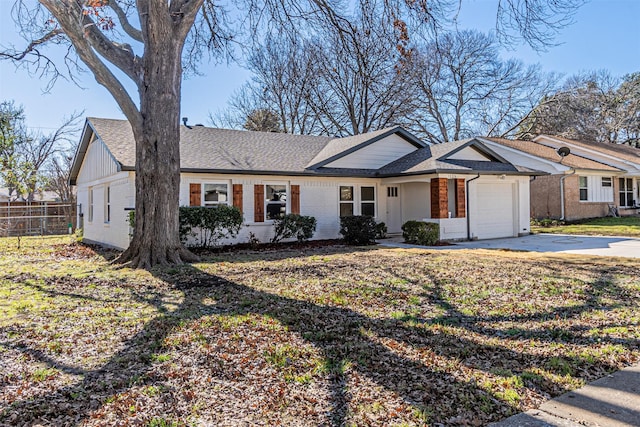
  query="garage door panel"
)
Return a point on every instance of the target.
[{"x": 495, "y": 211}]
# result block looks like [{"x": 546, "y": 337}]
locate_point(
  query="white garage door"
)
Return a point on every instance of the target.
[{"x": 495, "y": 211}]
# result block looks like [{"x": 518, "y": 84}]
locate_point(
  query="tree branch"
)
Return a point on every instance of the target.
[
  {"x": 133, "y": 32},
  {"x": 33, "y": 45},
  {"x": 68, "y": 18}
]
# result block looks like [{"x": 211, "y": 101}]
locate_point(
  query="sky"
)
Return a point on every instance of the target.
[{"x": 605, "y": 35}]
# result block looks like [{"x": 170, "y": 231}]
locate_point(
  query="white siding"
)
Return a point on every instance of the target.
[
  {"x": 596, "y": 192},
  {"x": 375, "y": 155},
  {"x": 98, "y": 163},
  {"x": 469, "y": 153},
  {"x": 318, "y": 198},
  {"x": 115, "y": 232},
  {"x": 416, "y": 201}
]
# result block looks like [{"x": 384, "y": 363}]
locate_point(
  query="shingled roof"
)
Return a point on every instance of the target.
[
  {"x": 573, "y": 160},
  {"x": 204, "y": 149}
]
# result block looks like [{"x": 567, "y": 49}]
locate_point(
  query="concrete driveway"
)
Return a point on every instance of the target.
[{"x": 558, "y": 243}]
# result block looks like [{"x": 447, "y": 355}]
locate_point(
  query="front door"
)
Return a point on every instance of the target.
[{"x": 394, "y": 210}]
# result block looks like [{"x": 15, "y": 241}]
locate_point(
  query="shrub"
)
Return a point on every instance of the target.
[
  {"x": 209, "y": 224},
  {"x": 358, "y": 229},
  {"x": 381, "y": 230},
  {"x": 293, "y": 225},
  {"x": 421, "y": 233}
]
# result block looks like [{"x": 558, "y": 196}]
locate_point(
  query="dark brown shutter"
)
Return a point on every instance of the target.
[
  {"x": 460, "y": 198},
  {"x": 258, "y": 203},
  {"x": 195, "y": 195},
  {"x": 237, "y": 196},
  {"x": 295, "y": 199}
]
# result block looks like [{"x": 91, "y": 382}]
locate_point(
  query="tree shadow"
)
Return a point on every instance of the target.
[{"x": 347, "y": 340}]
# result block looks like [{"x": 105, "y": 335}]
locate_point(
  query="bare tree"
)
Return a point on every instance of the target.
[
  {"x": 360, "y": 82},
  {"x": 58, "y": 181},
  {"x": 283, "y": 76},
  {"x": 263, "y": 120},
  {"x": 24, "y": 154},
  {"x": 592, "y": 106},
  {"x": 464, "y": 88},
  {"x": 151, "y": 57}
]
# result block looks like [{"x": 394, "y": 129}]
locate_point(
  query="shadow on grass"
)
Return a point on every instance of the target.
[{"x": 370, "y": 346}]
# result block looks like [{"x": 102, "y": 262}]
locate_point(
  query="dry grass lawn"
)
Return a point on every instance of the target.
[{"x": 316, "y": 336}]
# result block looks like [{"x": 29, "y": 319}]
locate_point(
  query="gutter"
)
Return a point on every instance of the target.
[
  {"x": 467, "y": 197},
  {"x": 573, "y": 171}
]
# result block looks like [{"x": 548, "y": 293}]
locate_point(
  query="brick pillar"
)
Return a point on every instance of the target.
[
  {"x": 439, "y": 198},
  {"x": 461, "y": 211}
]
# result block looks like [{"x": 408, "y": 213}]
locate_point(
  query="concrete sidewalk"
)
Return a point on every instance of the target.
[{"x": 612, "y": 401}]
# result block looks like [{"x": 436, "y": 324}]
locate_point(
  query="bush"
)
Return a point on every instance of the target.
[
  {"x": 546, "y": 222},
  {"x": 421, "y": 233},
  {"x": 381, "y": 230},
  {"x": 358, "y": 230},
  {"x": 209, "y": 224},
  {"x": 293, "y": 225}
]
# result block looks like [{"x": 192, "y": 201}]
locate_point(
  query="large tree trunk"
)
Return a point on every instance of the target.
[{"x": 156, "y": 233}]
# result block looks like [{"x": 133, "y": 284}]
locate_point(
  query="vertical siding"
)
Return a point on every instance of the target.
[
  {"x": 598, "y": 193},
  {"x": 376, "y": 155},
  {"x": 98, "y": 163}
]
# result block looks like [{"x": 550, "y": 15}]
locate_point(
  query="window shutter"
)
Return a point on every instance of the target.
[
  {"x": 460, "y": 198},
  {"x": 195, "y": 195},
  {"x": 237, "y": 196},
  {"x": 295, "y": 199},
  {"x": 258, "y": 203}
]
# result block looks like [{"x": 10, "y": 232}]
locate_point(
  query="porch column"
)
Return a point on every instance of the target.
[
  {"x": 439, "y": 198},
  {"x": 460, "y": 198}
]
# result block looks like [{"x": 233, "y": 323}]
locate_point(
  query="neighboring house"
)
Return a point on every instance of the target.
[
  {"x": 464, "y": 186},
  {"x": 586, "y": 183}
]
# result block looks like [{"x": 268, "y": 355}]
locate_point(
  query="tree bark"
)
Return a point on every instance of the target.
[{"x": 156, "y": 238}]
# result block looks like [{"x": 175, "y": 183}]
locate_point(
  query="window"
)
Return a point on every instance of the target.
[
  {"x": 346, "y": 201},
  {"x": 215, "y": 194},
  {"x": 392, "y": 191},
  {"x": 275, "y": 201},
  {"x": 626, "y": 192},
  {"x": 90, "y": 213},
  {"x": 107, "y": 204},
  {"x": 584, "y": 190},
  {"x": 606, "y": 181},
  {"x": 368, "y": 201}
]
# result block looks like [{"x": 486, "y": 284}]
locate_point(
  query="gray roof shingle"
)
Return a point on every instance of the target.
[{"x": 204, "y": 149}]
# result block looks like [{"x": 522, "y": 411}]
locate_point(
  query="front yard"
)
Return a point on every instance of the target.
[
  {"x": 628, "y": 226},
  {"x": 318, "y": 336}
]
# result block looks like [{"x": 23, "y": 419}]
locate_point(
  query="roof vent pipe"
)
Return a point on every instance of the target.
[{"x": 185, "y": 120}]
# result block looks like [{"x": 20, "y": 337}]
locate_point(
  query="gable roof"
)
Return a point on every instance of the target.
[
  {"x": 204, "y": 149},
  {"x": 573, "y": 160},
  {"x": 622, "y": 157},
  {"x": 340, "y": 147},
  {"x": 435, "y": 159}
]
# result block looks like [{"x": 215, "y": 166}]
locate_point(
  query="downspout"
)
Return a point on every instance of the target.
[
  {"x": 573, "y": 171},
  {"x": 467, "y": 197}
]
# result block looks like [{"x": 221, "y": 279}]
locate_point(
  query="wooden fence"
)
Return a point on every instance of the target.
[{"x": 36, "y": 218}]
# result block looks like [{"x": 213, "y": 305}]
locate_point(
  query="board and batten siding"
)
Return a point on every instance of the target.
[
  {"x": 596, "y": 192},
  {"x": 469, "y": 153},
  {"x": 98, "y": 163},
  {"x": 375, "y": 155}
]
